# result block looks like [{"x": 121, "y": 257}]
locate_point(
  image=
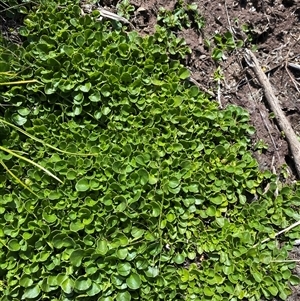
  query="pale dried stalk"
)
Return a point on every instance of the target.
[
  {"x": 280, "y": 232},
  {"x": 273, "y": 102},
  {"x": 295, "y": 66},
  {"x": 109, "y": 15},
  {"x": 191, "y": 79}
]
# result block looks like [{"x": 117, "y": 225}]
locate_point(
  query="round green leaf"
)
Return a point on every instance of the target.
[
  {"x": 177, "y": 147},
  {"x": 18, "y": 119},
  {"x": 80, "y": 41},
  {"x": 76, "y": 257},
  {"x": 122, "y": 253},
  {"x": 23, "y": 111},
  {"x": 26, "y": 281},
  {"x": 152, "y": 179},
  {"x": 174, "y": 182},
  {"x": 31, "y": 292},
  {"x": 123, "y": 296},
  {"x": 94, "y": 289},
  {"x": 134, "y": 281},
  {"x": 105, "y": 90},
  {"x": 69, "y": 50},
  {"x": 257, "y": 276},
  {"x": 102, "y": 247},
  {"x": 13, "y": 245},
  {"x": 152, "y": 272},
  {"x": 67, "y": 285},
  {"x": 218, "y": 200},
  {"x": 82, "y": 185},
  {"x": 144, "y": 176},
  {"x": 95, "y": 97},
  {"x": 123, "y": 49},
  {"x": 273, "y": 290},
  {"x": 137, "y": 232},
  {"x": 86, "y": 87},
  {"x": 76, "y": 226},
  {"x": 156, "y": 209},
  {"x": 183, "y": 73},
  {"x": 82, "y": 283},
  {"x": 294, "y": 280},
  {"x": 179, "y": 259},
  {"x": 124, "y": 268},
  {"x": 207, "y": 291},
  {"x": 106, "y": 111},
  {"x": 71, "y": 174}
]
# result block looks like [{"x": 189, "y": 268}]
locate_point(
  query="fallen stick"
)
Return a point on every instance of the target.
[
  {"x": 280, "y": 232},
  {"x": 109, "y": 15},
  {"x": 295, "y": 66},
  {"x": 192, "y": 80},
  {"x": 273, "y": 102}
]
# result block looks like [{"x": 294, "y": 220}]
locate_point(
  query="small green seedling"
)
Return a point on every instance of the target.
[
  {"x": 182, "y": 16},
  {"x": 260, "y": 146},
  {"x": 225, "y": 43}
]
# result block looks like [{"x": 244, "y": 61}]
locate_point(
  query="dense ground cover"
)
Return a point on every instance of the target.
[{"x": 161, "y": 198}]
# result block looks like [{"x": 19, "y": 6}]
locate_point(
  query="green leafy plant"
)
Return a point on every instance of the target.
[
  {"x": 16, "y": 155},
  {"x": 182, "y": 16},
  {"x": 125, "y": 9},
  {"x": 250, "y": 36},
  {"x": 170, "y": 205},
  {"x": 260, "y": 146},
  {"x": 218, "y": 74},
  {"x": 224, "y": 43}
]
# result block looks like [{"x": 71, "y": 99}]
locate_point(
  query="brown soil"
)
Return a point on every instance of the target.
[{"x": 275, "y": 29}]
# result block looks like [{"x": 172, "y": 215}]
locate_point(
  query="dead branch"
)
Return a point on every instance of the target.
[
  {"x": 104, "y": 13},
  {"x": 273, "y": 102},
  {"x": 295, "y": 66},
  {"x": 109, "y": 15},
  {"x": 192, "y": 80},
  {"x": 280, "y": 232}
]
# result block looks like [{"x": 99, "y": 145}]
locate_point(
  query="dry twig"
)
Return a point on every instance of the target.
[
  {"x": 295, "y": 66},
  {"x": 280, "y": 232},
  {"x": 273, "y": 102},
  {"x": 109, "y": 15},
  {"x": 191, "y": 79},
  {"x": 88, "y": 8}
]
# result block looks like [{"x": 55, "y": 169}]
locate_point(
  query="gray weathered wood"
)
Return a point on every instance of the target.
[{"x": 273, "y": 102}]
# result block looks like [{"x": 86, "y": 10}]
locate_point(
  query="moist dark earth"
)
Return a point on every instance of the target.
[{"x": 275, "y": 30}]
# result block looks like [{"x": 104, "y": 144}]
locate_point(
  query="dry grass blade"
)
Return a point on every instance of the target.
[
  {"x": 31, "y": 162},
  {"x": 109, "y": 15},
  {"x": 19, "y": 82},
  {"x": 280, "y": 232},
  {"x": 17, "y": 179},
  {"x": 288, "y": 260},
  {"x": 7, "y": 73},
  {"x": 41, "y": 141}
]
